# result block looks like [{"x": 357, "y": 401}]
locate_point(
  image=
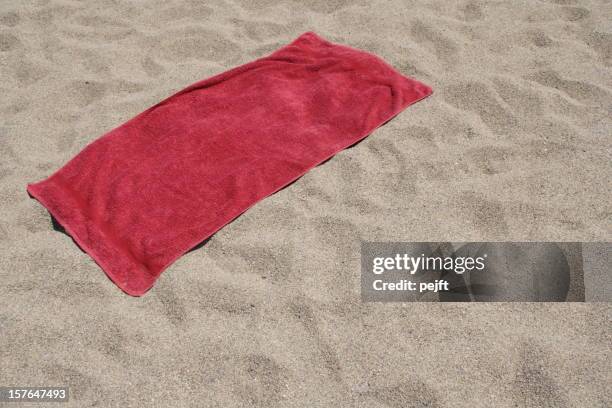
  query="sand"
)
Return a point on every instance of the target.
[{"x": 513, "y": 145}]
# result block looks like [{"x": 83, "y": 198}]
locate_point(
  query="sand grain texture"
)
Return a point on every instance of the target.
[{"x": 513, "y": 145}]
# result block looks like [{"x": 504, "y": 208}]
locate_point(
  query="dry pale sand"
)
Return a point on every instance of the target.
[{"x": 513, "y": 145}]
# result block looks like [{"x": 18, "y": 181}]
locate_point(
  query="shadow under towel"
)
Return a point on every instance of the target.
[{"x": 143, "y": 194}]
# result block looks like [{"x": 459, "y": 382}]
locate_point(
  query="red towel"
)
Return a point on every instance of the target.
[{"x": 143, "y": 194}]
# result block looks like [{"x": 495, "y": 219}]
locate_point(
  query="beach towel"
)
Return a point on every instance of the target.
[{"x": 146, "y": 192}]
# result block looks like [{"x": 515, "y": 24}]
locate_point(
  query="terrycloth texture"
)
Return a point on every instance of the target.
[{"x": 146, "y": 192}]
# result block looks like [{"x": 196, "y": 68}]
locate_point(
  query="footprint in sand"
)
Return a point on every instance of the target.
[
  {"x": 579, "y": 90},
  {"x": 480, "y": 98},
  {"x": 472, "y": 11},
  {"x": 533, "y": 385},
  {"x": 444, "y": 48},
  {"x": 8, "y": 42},
  {"x": 574, "y": 13},
  {"x": 10, "y": 19}
]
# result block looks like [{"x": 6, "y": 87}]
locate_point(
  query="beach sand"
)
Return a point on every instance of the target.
[{"x": 514, "y": 144}]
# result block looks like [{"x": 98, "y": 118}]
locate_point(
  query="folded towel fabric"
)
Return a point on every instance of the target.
[{"x": 143, "y": 194}]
